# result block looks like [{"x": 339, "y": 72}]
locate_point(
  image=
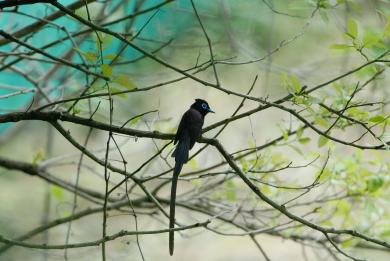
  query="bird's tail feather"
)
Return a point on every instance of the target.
[
  {"x": 181, "y": 151},
  {"x": 181, "y": 157},
  {"x": 172, "y": 206}
]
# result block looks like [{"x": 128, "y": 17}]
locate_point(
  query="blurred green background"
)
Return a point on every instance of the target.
[{"x": 300, "y": 43}]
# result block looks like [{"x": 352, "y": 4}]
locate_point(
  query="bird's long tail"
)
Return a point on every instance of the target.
[
  {"x": 175, "y": 177},
  {"x": 181, "y": 157}
]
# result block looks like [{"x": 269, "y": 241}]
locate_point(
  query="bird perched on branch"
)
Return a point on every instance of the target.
[{"x": 189, "y": 131}]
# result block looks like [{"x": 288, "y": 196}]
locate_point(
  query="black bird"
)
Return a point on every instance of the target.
[{"x": 189, "y": 131}]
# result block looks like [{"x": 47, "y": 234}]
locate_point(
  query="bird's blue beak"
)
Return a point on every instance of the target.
[{"x": 210, "y": 110}]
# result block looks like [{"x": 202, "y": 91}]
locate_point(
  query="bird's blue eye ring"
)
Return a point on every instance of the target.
[{"x": 204, "y": 105}]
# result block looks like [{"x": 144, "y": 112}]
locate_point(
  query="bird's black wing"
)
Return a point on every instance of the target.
[
  {"x": 194, "y": 125},
  {"x": 190, "y": 124},
  {"x": 181, "y": 128}
]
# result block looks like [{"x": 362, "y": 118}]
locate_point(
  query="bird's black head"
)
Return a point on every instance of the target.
[{"x": 202, "y": 106}]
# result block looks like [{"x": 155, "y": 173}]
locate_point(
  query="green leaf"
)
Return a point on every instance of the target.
[
  {"x": 117, "y": 90},
  {"x": 244, "y": 165},
  {"x": 385, "y": 234},
  {"x": 344, "y": 206},
  {"x": 230, "y": 190},
  {"x": 39, "y": 155},
  {"x": 284, "y": 78},
  {"x": 326, "y": 222},
  {"x": 374, "y": 183},
  {"x": 196, "y": 183},
  {"x": 321, "y": 121},
  {"x": 97, "y": 86},
  {"x": 82, "y": 12},
  {"x": 66, "y": 213},
  {"x": 304, "y": 140},
  {"x": 125, "y": 81},
  {"x": 300, "y": 132},
  {"x": 285, "y": 135},
  {"x": 340, "y": 46},
  {"x": 377, "y": 118},
  {"x": 76, "y": 110},
  {"x": 322, "y": 141},
  {"x": 98, "y": 36},
  {"x": 57, "y": 192},
  {"x": 106, "y": 70},
  {"x": 326, "y": 173},
  {"x": 107, "y": 40},
  {"x": 358, "y": 113},
  {"x": 355, "y": 6},
  {"x": 136, "y": 120},
  {"x": 110, "y": 56},
  {"x": 370, "y": 38},
  {"x": 324, "y": 16},
  {"x": 277, "y": 158},
  {"x": 291, "y": 83},
  {"x": 91, "y": 56},
  {"x": 349, "y": 243},
  {"x": 296, "y": 84},
  {"x": 338, "y": 88},
  {"x": 386, "y": 31},
  {"x": 192, "y": 163},
  {"x": 352, "y": 28}
]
